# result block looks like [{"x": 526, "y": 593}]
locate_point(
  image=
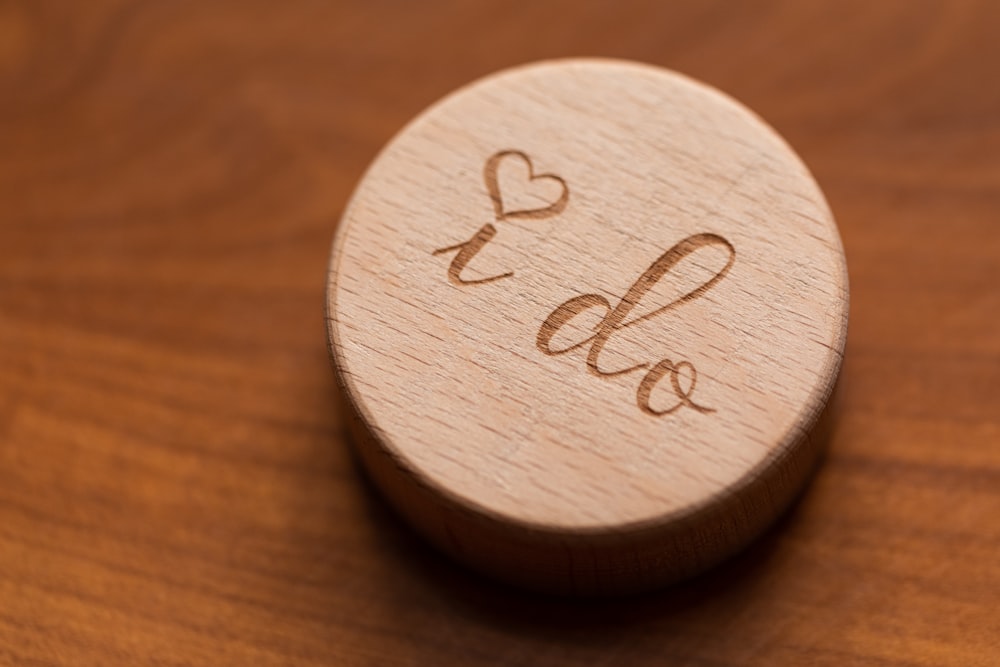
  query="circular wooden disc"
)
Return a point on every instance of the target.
[{"x": 586, "y": 315}]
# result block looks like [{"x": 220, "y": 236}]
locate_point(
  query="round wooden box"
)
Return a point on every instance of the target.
[{"x": 586, "y": 316}]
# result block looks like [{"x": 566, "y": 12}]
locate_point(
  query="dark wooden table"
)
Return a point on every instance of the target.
[{"x": 175, "y": 487}]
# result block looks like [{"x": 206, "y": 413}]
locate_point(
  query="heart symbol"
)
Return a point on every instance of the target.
[{"x": 490, "y": 175}]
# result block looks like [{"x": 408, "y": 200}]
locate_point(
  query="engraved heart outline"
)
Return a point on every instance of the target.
[{"x": 490, "y": 176}]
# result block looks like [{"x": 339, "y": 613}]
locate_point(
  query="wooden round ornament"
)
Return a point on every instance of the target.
[{"x": 586, "y": 316}]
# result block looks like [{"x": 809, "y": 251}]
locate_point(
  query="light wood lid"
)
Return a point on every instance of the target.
[{"x": 586, "y": 315}]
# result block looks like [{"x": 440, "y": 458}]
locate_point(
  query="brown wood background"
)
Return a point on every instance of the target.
[{"x": 175, "y": 487}]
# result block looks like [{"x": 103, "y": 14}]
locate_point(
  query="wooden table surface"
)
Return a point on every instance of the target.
[{"x": 175, "y": 485}]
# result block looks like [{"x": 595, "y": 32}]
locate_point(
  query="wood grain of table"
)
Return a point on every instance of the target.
[{"x": 175, "y": 484}]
